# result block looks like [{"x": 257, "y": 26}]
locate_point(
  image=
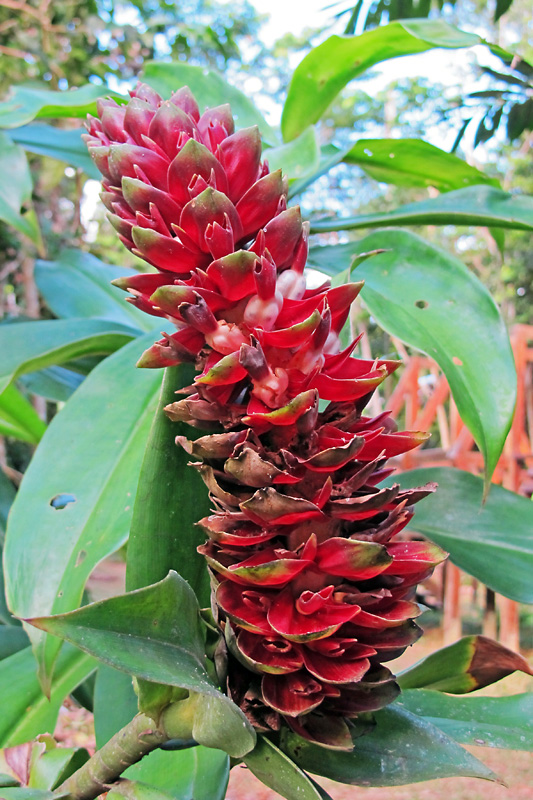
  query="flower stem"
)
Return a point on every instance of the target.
[{"x": 138, "y": 738}]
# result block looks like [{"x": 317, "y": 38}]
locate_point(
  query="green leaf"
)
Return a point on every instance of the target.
[
  {"x": 505, "y": 722},
  {"x": 475, "y": 205},
  {"x": 298, "y": 159},
  {"x": 471, "y": 663},
  {"x": 170, "y": 500},
  {"x": 64, "y": 145},
  {"x": 210, "y": 89},
  {"x": 277, "y": 771},
  {"x": 26, "y": 712},
  {"x": 501, "y": 7},
  {"x": 164, "y": 534},
  {"x": 115, "y": 703},
  {"x": 53, "y": 766},
  {"x": 153, "y": 633},
  {"x": 7, "y": 495},
  {"x": 324, "y": 71},
  {"x": 30, "y": 346},
  {"x": 18, "y": 417},
  {"x": 56, "y": 384},
  {"x": 413, "y": 162},
  {"x": 78, "y": 284},
  {"x": 493, "y": 542},
  {"x": 134, "y": 790},
  {"x": 15, "y": 190},
  {"x": 219, "y": 723},
  {"x": 99, "y": 468},
  {"x": 401, "y": 749},
  {"x": 26, "y": 104},
  {"x": 13, "y": 639},
  {"x": 329, "y": 157},
  {"x": 431, "y": 301},
  {"x": 198, "y": 772}
]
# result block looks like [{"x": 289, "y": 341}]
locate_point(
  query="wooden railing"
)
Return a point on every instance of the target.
[{"x": 422, "y": 400}]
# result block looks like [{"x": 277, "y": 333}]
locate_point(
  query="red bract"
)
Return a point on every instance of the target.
[{"x": 312, "y": 588}]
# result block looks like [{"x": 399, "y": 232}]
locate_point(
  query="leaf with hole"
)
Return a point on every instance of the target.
[
  {"x": 326, "y": 70},
  {"x": 99, "y": 468},
  {"x": 413, "y": 162},
  {"x": 431, "y": 301}
]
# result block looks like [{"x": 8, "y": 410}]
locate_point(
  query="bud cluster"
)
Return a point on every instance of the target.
[{"x": 312, "y": 586}]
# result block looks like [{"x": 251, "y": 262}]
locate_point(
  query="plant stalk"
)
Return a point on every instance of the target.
[{"x": 138, "y": 738}]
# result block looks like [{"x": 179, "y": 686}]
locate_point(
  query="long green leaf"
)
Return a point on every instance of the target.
[
  {"x": 413, "y": 162},
  {"x": 505, "y": 722},
  {"x": 210, "y": 89},
  {"x": 15, "y": 190},
  {"x": 493, "y": 542},
  {"x": 402, "y": 748},
  {"x": 156, "y": 633},
  {"x": 26, "y": 712},
  {"x": 30, "y": 346},
  {"x": 18, "y": 418},
  {"x": 324, "y": 71},
  {"x": 78, "y": 284},
  {"x": 64, "y": 145},
  {"x": 298, "y": 159},
  {"x": 431, "y": 301},
  {"x": 197, "y": 772},
  {"x": 101, "y": 435},
  {"x": 27, "y": 103},
  {"x": 277, "y": 771},
  {"x": 153, "y": 633},
  {"x": 170, "y": 500},
  {"x": 475, "y": 205}
]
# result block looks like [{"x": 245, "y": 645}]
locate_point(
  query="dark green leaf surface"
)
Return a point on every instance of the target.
[
  {"x": 7, "y": 495},
  {"x": 219, "y": 723},
  {"x": 78, "y": 284},
  {"x": 27, "y": 103},
  {"x": 29, "y": 346},
  {"x": 475, "y": 205},
  {"x": 134, "y": 790},
  {"x": 413, "y": 162},
  {"x": 471, "y": 663},
  {"x": 492, "y": 542},
  {"x": 324, "y": 71},
  {"x": 54, "y": 765},
  {"x": 18, "y": 417},
  {"x": 115, "y": 703},
  {"x": 170, "y": 500},
  {"x": 401, "y": 749},
  {"x": 431, "y": 301},
  {"x": 15, "y": 190},
  {"x": 210, "y": 90},
  {"x": 505, "y": 722},
  {"x": 22, "y": 793},
  {"x": 277, "y": 771},
  {"x": 26, "y": 712},
  {"x": 99, "y": 467},
  {"x": 153, "y": 633},
  {"x": 64, "y": 145}
]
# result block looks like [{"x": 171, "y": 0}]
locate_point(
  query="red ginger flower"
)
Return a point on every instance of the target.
[{"x": 312, "y": 589}]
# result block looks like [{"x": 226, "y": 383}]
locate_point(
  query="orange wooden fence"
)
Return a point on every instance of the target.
[{"x": 422, "y": 400}]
